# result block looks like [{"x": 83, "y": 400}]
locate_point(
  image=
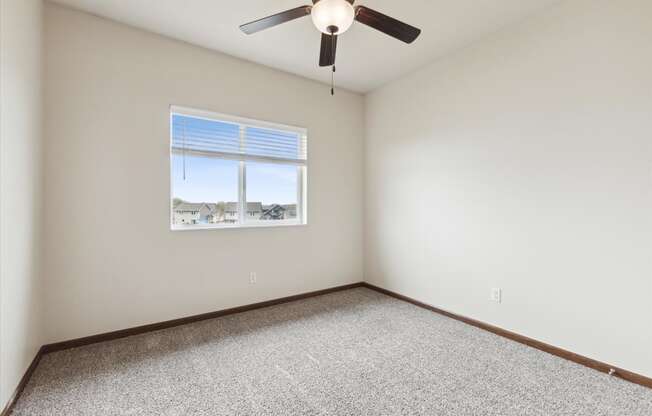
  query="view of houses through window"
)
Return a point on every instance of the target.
[
  {"x": 221, "y": 179},
  {"x": 197, "y": 213}
]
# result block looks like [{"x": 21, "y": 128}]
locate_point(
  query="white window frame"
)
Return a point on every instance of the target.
[{"x": 243, "y": 222}]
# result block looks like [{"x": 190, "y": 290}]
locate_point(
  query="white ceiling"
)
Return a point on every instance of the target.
[{"x": 366, "y": 59}]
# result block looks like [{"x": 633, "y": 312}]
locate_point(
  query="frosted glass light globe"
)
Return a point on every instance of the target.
[{"x": 337, "y": 13}]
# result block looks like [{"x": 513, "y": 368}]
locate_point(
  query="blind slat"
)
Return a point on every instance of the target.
[{"x": 234, "y": 156}]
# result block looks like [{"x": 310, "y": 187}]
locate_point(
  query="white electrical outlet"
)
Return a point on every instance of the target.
[
  {"x": 496, "y": 295},
  {"x": 253, "y": 278}
]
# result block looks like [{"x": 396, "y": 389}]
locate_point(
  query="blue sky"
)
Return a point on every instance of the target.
[{"x": 215, "y": 180}]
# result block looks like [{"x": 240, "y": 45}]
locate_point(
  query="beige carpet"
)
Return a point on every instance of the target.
[{"x": 350, "y": 353}]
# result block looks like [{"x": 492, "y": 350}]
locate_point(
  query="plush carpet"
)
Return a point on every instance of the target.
[{"x": 349, "y": 353}]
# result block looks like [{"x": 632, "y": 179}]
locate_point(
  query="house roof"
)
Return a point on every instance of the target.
[
  {"x": 189, "y": 206},
  {"x": 251, "y": 206},
  {"x": 195, "y": 206}
]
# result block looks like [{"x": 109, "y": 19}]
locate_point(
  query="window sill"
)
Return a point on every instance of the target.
[{"x": 237, "y": 226}]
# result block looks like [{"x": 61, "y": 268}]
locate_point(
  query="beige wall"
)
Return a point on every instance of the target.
[
  {"x": 524, "y": 163},
  {"x": 20, "y": 189},
  {"x": 112, "y": 262}
]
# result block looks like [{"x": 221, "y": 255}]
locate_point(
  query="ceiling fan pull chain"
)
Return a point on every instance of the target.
[{"x": 333, "y": 60}]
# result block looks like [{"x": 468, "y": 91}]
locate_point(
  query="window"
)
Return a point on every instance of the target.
[{"x": 233, "y": 172}]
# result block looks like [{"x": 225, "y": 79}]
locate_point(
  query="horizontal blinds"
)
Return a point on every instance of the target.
[
  {"x": 201, "y": 135},
  {"x": 238, "y": 141}
]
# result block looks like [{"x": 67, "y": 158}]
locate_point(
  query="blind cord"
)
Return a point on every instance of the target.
[{"x": 184, "y": 149}]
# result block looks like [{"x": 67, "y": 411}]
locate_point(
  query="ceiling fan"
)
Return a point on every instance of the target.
[{"x": 332, "y": 18}]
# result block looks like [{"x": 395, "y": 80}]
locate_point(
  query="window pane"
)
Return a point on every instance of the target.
[
  {"x": 209, "y": 193},
  {"x": 271, "y": 192}
]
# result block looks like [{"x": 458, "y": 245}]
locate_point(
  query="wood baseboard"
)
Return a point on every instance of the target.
[
  {"x": 108, "y": 336},
  {"x": 21, "y": 385},
  {"x": 550, "y": 349}
]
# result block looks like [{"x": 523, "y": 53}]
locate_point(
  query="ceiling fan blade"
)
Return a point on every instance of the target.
[
  {"x": 277, "y": 19},
  {"x": 315, "y": 1},
  {"x": 328, "y": 50},
  {"x": 386, "y": 24}
]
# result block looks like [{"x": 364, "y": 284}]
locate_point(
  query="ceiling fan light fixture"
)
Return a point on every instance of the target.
[{"x": 327, "y": 14}]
